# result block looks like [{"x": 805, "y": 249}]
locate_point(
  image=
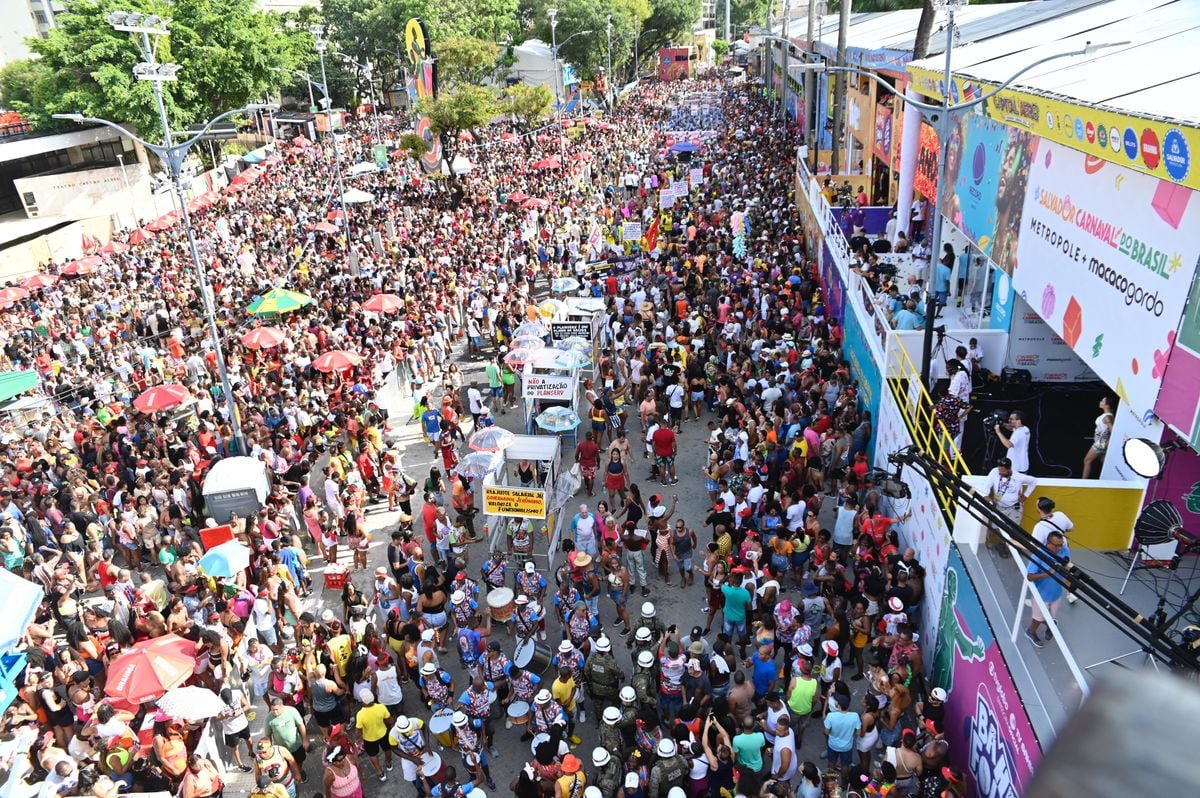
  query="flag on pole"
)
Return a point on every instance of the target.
[{"x": 652, "y": 235}]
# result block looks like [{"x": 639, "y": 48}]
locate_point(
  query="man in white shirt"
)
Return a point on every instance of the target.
[
  {"x": 475, "y": 402},
  {"x": 1007, "y": 489},
  {"x": 1016, "y": 442},
  {"x": 1051, "y": 520}
]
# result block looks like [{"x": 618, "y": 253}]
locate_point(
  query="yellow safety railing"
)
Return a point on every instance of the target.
[{"x": 928, "y": 432}]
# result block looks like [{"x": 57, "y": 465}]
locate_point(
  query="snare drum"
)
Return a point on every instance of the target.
[
  {"x": 518, "y": 713},
  {"x": 502, "y": 604},
  {"x": 432, "y": 766},
  {"x": 441, "y": 726}
]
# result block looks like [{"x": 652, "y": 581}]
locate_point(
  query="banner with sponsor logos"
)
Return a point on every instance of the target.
[
  {"x": 1033, "y": 345},
  {"x": 1155, "y": 147},
  {"x": 1179, "y": 400},
  {"x": 987, "y": 166},
  {"x": 1106, "y": 256},
  {"x": 994, "y": 743}
]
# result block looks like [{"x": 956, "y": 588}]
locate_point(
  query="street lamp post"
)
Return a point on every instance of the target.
[
  {"x": 321, "y": 45},
  {"x": 941, "y": 117},
  {"x": 553, "y": 14},
  {"x": 172, "y": 156},
  {"x": 608, "y": 100},
  {"x": 368, "y": 72},
  {"x": 636, "y": 42},
  {"x": 312, "y": 102}
]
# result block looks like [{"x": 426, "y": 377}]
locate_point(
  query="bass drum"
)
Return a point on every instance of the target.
[{"x": 532, "y": 656}]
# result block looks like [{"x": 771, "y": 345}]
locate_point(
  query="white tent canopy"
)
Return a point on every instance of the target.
[
  {"x": 357, "y": 197},
  {"x": 534, "y": 64}
]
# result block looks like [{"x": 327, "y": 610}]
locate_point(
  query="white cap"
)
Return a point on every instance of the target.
[
  {"x": 938, "y": 693},
  {"x": 365, "y": 696},
  {"x": 603, "y": 644},
  {"x": 648, "y": 610},
  {"x": 632, "y": 781},
  {"x": 612, "y": 715},
  {"x": 658, "y": 512},
  {"x": 458, "y": 597},
  {"x": 543, "y": 697},
  {"x": 627, "y": 694},
  {"x": 529, "y": 568},
  {"x": 565, "y": 647},
  {"x": 646, "y": 659},
  {"x": 666, "y": 748},
  {"x": 600, "y": 757},
  {"x": 676, "y": 792},
  {"x": 642, "y": 634},
  {"x": 593, "y": 791},
  {"x": 428, "y": 635},
  {"x": 896, "y": 604},
  {"x": 804, "y": 649},
  {"x": 428, "y": 669},
  {"x": 693, "y": 664},
  {"x": 404, "y": 724},
  {"x": 459, "y": 718},
  {"x": 522, "y": 599},
  {"x": 830, "y": 647}
]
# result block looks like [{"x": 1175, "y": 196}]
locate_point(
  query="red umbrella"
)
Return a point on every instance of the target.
[
  {"x": 164, "y": 222},
  {"x": 325, "y": 227},
  {"x": 508, "y": 136},
  {"x": 465, "y": 136},
  {"x": 567, "y": 122},
  {"x": 169, "y": 644},
  {"x": 115, "y": 247},
  {"x": 301, "y": 142},
  {"x": 147, "y": 672},
  {"x": 235, "y": 188},
  {"x": 533, "y": 203},
  {"x": 547, "y": 163},
  {"x": 518, "y": 196},
  {"x": 246, "y": 177},
  {"x": 89, "y": 242},
  {"x": 13, "y": 294},
  {"x": 384, "y": 303},
  {"x": 139, "y": 236},
  {"x": 78, "y": 268},
  {"x": 334, "y": 215},
  {"x": 337, "y": 360},
  {"x": 39, "y": 281},
  {"x": 161, "y": 397},
  {"x": 263, "y": 338},
  {"x": 582, "y": 156}
]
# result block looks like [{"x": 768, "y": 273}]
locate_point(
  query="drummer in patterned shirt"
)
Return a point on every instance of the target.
[
  {"x": 548, "y": 716},
  {"x": 477, "y": 701},
  {"x": 495, "y": 571},
  {"x": 408, "y": 742},
  {"x": 469, "y": 740},
  {"x": 579, "y": 628},
  {"x": 437, "y": 686},
  {"x": 465, "y": 610},
  {"x": 465, "y": 583},
  {"x": 565, "y": 600},
  {"x": 495, "y": 665},
  {"x": 520, "y": 540},
  {"x": 529, "y": 618},
  {"x": 524, "y": 688},
  {"x": 530, "y": 583},
  {"x": 570, "y": 658}
]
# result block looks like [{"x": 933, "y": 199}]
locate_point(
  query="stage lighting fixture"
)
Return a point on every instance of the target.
[
  {"x": 1147, "y": 458},
  {"x": 1158, "y": 523}
]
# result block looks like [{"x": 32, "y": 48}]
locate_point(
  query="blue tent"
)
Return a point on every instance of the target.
[{"x": 684, "y": 146}]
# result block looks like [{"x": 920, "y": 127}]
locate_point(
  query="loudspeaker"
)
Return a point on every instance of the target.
[{"x": 1016, "y": 377}]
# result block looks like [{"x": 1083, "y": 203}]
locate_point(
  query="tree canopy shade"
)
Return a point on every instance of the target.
[
  {"x": 227, "y": 50},
  {"x": 462, "y": 108},
  {"x": 588, "y": 52},
  {"x": 527, "y": 105},
  {"x": 465, "y": 60}
]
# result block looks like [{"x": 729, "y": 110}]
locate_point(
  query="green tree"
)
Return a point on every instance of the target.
[
  {"x": 588, "y": 52},
  {"x": 460, "y": 109},
  {"x": 720, "y": 48},
  {"x": 492, "y": 20},
  {"x": 465, "y": 60},
  {"x": 527, "y": 105},
  {"x": 670, "y": 20},
  {"x": 226, "y": 49}
]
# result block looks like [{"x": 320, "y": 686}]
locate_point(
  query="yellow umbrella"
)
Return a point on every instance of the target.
[
  {"x": 279, "y": 300},
  {"x": 549, "y": 308}
]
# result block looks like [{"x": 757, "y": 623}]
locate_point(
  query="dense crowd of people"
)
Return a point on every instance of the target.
[{"x": 714, "y": 327}]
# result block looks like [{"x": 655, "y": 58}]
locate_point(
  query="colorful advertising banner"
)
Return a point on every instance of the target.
[
  {"x": 995, "y": 744},
  {"x": 1162, "y": 149},
  {"x": 1107, "y": 255},
  {"x": 1003, "y": 298},
  {"x": 1179, "y": 400},
  {"x": 1033, "y": 345},
  {"x": 833, "y": 291},
  {"x": 987, "y": 166},
  {"x": 862, "y": 368},
  {"x": 925, "y": 180},
  {"x": 883, "y": 133}
]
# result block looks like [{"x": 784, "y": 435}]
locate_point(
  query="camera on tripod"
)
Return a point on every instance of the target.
[{"x": 995, "y": 417}]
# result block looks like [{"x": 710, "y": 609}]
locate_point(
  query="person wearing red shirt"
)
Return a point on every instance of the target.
[
  {"x": 665, "y": 447},
  {"x": 876, "y": 525},
  {"x": 587, "y": 454},
  {"x": 429, "y": 519}
]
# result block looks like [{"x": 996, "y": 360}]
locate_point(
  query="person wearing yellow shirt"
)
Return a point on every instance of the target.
[
  {"x": 371, "y": 722},
  {"x": 563, "y": 691}
]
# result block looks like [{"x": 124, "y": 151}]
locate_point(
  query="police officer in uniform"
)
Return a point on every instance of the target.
[
  {"x": 602, "y": 675},
  {"x": 651, "y": 621},
  {"x": 606, "y": 775},
  {"x": 645, "y": 681},
  {"x": 627, "y": 724},
  {"x": 610, "y": 733},
  {"x": 669, "y": 771}
]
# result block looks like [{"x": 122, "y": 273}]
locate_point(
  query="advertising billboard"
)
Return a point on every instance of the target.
[
  {"x": 863, "y": 368},
  {"x": 1106, "y": 255},
  {"x": 983, "y": 708}
]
